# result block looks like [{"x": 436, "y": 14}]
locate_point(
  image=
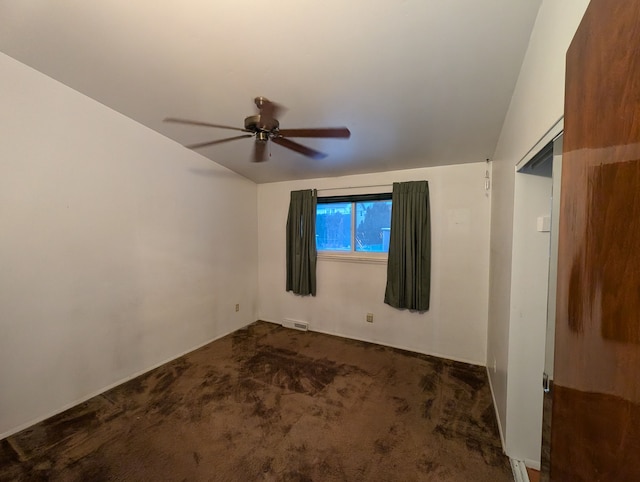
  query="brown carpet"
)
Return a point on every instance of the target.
[{"x": 269, "y": 403}]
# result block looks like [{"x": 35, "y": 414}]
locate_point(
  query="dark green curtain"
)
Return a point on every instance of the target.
[
  {"x": 301, "y": 243},
  {"x": 409, "y": 262}
]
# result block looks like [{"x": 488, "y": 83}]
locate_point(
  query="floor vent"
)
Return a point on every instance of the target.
[{"x": 296, "y": 325}]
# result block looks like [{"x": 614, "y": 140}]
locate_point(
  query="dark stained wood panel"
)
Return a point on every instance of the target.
[
  {"x": 596, "y": 402},
  {"x": 602, "y": 93},
  {"x": 611, "y": 454},
  {"x": 615, "y": 211}
]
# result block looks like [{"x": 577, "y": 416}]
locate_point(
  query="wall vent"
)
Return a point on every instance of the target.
[{"x": 295, "y": 324}]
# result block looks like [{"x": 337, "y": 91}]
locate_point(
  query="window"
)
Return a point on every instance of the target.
[{"x": 353, "y": 224}]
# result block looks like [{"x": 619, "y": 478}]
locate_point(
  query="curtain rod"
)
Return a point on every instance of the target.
[{"x": 354, "y": 187}]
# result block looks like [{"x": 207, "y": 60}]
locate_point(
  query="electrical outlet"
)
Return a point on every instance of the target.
[
  {"x": 237, "y": 306},
  {"x": 494, "y": 365},
  {"x": 370, "y": 317}
]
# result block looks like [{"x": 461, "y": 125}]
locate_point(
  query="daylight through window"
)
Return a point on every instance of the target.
[{"x": 358, "y": 223}]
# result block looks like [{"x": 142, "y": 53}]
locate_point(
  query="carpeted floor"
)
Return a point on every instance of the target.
[{"x": 269, "y": 403}]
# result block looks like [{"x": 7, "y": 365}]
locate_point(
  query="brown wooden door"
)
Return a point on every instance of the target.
[{"x": 595, "y": 434}]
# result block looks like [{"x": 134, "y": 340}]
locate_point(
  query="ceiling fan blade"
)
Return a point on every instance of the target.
[
  {"x": 335, "y": 132},
  {"x": 219, "y": 141},
  {"x": 259, "y": 151},
  {"x": 205, "y": 124},
  {"x": 307, "y": 151}
]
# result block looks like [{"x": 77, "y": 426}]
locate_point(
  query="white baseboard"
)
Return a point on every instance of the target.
[
  {"x": 495, "y": 408},
  {"x": 390, "y": 345}
]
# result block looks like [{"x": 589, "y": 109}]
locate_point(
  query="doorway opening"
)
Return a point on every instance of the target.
[{"x": 534, "y": 273}]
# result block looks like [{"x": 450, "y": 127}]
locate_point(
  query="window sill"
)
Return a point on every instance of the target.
[{"x": 352, "y": 258}]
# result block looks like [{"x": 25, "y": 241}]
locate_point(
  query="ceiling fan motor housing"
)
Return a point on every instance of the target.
[{"x": 253, "y": 124}]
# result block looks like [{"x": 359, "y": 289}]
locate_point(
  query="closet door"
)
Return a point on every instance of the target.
[{"x": 595, "y": 434}]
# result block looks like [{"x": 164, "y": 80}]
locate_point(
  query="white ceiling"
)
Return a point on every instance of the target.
[{"x": 418, "y": 82}]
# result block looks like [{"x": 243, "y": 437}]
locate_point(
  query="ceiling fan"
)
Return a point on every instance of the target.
[{"x": 265, "y": 127}]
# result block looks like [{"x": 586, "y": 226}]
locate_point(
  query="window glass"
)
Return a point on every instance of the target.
[
  {"x": 373, "y": 220},
  {"x": 333, "y": 227},
  {"x": 335, "y": 223}
]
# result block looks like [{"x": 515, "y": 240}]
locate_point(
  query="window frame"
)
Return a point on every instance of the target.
[{"x": 353, "y": 255}]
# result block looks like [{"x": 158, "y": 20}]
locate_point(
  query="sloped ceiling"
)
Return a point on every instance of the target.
[{"x": 418, "y": 82}]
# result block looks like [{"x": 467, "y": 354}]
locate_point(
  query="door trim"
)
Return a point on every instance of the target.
[{"x": 554, "y": 131}]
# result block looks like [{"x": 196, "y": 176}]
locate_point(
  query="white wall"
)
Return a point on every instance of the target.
[
  {"x": 119, "y": 250},
  {"x": 536, "y": 105},
  {"x": 456, "y": 323}
]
